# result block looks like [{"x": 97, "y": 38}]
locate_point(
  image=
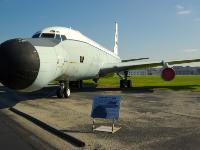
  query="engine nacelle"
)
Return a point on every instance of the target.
[{"x": 168, "y": 74}]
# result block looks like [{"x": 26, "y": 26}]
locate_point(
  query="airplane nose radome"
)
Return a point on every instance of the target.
[{"x": 19, "y": 64}]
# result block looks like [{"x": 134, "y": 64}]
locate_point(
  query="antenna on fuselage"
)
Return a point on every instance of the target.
[{"x": 116, "y": 39}]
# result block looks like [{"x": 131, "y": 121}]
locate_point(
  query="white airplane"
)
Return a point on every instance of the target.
[{"x": 66, "y": 55}]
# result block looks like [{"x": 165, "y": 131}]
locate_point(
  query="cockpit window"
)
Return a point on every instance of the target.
[
  {"x": 63, "y": 37},
  {"x": 47, "y": 35},
  {"x": 37, "y": 35},
  {"x": 58, "y": 37}
]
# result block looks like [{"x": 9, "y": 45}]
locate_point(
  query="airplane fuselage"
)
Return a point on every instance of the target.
[
  {"x": 70, "y": 60},
  {"x": 75, "y": 58}
]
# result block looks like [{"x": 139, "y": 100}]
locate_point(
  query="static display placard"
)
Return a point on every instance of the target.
[{"x": 106, "y": 107}]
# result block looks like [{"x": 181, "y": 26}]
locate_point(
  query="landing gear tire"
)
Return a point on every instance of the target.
[
  {"x": 59, "y": 92},
  {"x": 67, "y": 92},
  {"x": 125, "y": 83},
  {"x": 122, "y": 84},
  {"x": 129, "y": 83},
  {"x": 63, "y": 90}
]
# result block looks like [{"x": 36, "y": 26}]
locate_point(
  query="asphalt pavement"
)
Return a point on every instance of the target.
[{"x": 149, "y": 119}]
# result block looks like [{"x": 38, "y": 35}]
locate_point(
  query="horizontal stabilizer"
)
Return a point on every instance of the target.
[{"x": 127, "y": 60}]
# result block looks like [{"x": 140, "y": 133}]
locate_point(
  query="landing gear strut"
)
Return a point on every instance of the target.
[
  {"x": 63, "y": 90},
  {"x": 124, "y": 82}
]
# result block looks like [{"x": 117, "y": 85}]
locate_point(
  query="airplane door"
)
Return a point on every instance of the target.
[{"x": 61, "y": 61}]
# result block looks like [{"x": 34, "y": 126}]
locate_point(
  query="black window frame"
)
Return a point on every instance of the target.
[
  {"x": 58, "y": 37},
  {"x": 47, "y": 35}
]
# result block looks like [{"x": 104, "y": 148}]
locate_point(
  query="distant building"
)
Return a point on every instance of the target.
[
  {"x": 137, "y": 72},
  {"x": 186, "y": 70},
  {"x": 180, "y": 70}
]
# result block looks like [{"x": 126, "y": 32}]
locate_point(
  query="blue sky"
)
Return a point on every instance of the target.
[{"x": 159, "y": 29}]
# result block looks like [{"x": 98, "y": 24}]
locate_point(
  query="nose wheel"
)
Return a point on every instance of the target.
[
  {"x": 63, "y": 90},
  {"x": 67, "y": 92}
]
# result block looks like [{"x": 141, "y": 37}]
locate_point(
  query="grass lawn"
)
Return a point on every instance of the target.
[{"x": 190, "y": 82}]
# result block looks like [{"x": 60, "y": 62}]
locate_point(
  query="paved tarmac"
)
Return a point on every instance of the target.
[
  {"x": 149, "y": 119},
  {"x": 14, "y": 136}
]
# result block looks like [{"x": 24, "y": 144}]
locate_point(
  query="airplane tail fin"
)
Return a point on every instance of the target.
[{"x": 116, "y": 39}]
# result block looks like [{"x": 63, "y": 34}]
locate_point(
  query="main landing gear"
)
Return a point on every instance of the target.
[
  {"x": 76, "y": 84},
  {"x": 63, "y": 90},
  {"x": 124, "y": 82}
]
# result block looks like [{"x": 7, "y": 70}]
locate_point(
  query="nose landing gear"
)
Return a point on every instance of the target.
[{"x": 63, "y": 90}]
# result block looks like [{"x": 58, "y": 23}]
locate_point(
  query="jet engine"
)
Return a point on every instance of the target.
[{"x": 168, "y": 74}]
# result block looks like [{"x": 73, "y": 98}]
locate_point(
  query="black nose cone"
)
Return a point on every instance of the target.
[{"x": 19, "y": 64}]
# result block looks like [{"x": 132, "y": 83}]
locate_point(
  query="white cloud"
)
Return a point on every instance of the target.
[
  {"x": 180, "y": 7},
  {"x": 181, "y": 10},
  {"x": 191, "y": 50},
  {"x": 184, "y": 12}
]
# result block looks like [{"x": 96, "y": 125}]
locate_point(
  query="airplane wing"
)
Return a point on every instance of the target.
[{"x": 130, "y": 65}]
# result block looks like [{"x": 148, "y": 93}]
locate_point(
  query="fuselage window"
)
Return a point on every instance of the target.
[
  {"x": 47, "y": 35},
  {"x": 37, "y": 35},
  {"x": 63, "y": 37}
]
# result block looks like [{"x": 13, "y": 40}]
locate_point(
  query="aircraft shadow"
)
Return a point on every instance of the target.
[
  {"x": 144, "y": 89},
  {"x": 9, "y": 98}
]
